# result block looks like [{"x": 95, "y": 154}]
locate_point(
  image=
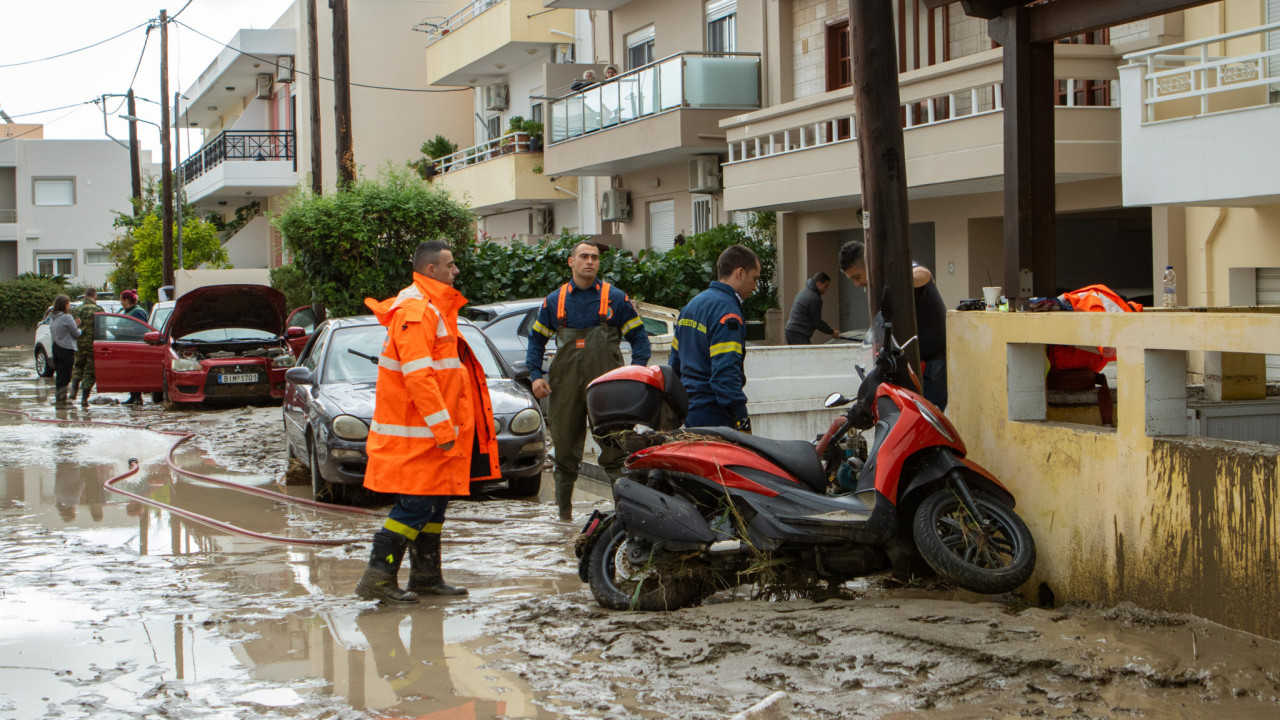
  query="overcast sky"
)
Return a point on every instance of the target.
[{"x": 40, "y": 28}]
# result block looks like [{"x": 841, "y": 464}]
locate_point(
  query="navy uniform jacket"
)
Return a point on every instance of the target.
[
  {"x": 709, "y": 348},
  {"x": 582, "y": 310}
]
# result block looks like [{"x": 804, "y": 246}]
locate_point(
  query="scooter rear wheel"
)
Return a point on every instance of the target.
[
  {"x": 991, "y": 560},
  {"x": 619, "y": 583}
]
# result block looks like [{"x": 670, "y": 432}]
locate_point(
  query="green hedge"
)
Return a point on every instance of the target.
[
  {"x": 491, "y": 272},
  {"x": 24, "y": 300}
]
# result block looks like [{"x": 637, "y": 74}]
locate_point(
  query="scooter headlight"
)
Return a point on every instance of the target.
[{"x": 937, "y": 424}]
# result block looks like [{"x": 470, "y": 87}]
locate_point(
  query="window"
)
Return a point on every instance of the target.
[
  {"x": 494, "y": 127},
  {"x": 312, "y": 357},
  {"x": 703, "y": 213},
  {"x": 60, "y": 264},
  {"x": 722, "y": 26},
  {"x": 535, "y": 110},
  {"x": 119, "y": 329},
  {"x": 839, "y": 56},
  {"x": 1085, "y": 93},
  {"x": 640, "y": 48},
  {"x": 97, "y": 257},
  {"x": 54, "y": 191},
  {"x": 662, "y": 225}
]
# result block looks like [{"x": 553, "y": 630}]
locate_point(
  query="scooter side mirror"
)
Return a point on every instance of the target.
[
  {"x": 862, "y": 373},
  {"x": 836, "y": 400}
]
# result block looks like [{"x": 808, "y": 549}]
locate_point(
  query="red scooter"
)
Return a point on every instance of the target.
[{"x": 705, "y": 509}]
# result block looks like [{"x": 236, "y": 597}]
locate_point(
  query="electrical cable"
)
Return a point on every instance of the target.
[
  {"x": 41, "y": 112},
  {"x": 296, "y": 71},
  {"x": 72, "y": 52}
]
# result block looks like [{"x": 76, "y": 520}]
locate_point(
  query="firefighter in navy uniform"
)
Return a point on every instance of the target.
[
  {"x": 588, "y": 318},
  {"x": 710, "y": 344}
]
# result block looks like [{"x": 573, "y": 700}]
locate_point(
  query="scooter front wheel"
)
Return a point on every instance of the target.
[
  {"x": 993, "y": 558},
  {"x": 625, "y": 577}
]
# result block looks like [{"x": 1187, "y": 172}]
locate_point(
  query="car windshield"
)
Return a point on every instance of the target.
[
  {"x": 160, "y": 316},
  {"x": 227, "y": 335},
  {"x": 480, "y": 346},
  {"x": 344, "y": 366}
]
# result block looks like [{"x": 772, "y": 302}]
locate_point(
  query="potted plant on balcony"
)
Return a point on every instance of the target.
[
  {"x": 533, "y": 129},
  {"x": 434, "y": 149}
]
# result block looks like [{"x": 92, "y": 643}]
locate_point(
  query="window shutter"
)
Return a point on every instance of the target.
[{"x": 662, "y": 225}]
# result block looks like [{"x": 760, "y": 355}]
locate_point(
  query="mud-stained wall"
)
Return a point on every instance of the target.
[{"x": 1139, "y": 512}]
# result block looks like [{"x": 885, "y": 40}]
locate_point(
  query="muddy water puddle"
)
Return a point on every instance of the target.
[{"x": 110, "y": 608}]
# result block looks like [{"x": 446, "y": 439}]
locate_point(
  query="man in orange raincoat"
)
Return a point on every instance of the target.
[{"x": 432, "y": 430}]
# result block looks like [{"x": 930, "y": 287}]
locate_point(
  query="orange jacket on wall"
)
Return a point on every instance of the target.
[
  {"x": 431, "y": 391},
  {"x": 1093, "y": 298}
]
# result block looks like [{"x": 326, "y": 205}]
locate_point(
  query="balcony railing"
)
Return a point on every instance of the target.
[
  {"x": 688, "y": 80},
  {"x": 1187, "y": 71},
  {"x": 240, "y": 145},
  {"x": 516, "y": 142},
  {"x": 468, "y": 13},
  {"x": 8, "y": 216}
]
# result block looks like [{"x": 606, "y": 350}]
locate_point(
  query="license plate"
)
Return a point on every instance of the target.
[{"x": 241, "y": 378}]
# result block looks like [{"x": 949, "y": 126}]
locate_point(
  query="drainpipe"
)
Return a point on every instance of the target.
[{"x": 1208, "y": 255}]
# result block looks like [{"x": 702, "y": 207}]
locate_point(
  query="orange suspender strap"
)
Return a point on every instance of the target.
[
  {"x": 604, "y": 303},
  {"x": 564, "y": 293}
]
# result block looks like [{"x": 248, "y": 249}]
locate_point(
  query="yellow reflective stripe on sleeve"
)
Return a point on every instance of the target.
[
  {"x": 433, "y": 528},
  {"x": 400, "y": 528},
  {"x": 690, "y": 322},
  {"x": 632, "y": 325},
  {"x": 437, "y": 418},
  {"x": 539, "y": 327},
  {"x": 388, "y": 363},
  {"x": 725, "y": 347},
  {"x": 675, "y": 343}
]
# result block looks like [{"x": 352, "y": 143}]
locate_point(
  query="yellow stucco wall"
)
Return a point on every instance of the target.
[{"x": 1172, "y": 522}]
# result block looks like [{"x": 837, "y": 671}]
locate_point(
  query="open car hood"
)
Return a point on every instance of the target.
[{"x": 256, "y": 307}]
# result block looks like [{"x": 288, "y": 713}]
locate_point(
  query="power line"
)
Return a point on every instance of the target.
[
  {"x": 274, "y": 64},
  {"x": 63, "y": 107},
  {"x": 184, "y": 7},
  {"x": 72, "y": 52}
]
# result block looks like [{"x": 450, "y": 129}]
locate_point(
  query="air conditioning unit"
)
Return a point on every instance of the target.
[
  {"x": 495, "y": 96},
  {"x": 704, "y": 174},
  {"x": 615, "y": 206},
  {"x": 266, "y": 81},
  {"x": 284, "y": 69}
]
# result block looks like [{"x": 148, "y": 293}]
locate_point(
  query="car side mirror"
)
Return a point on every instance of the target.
[
  {"x": 152, "y": 338},
  {"x": 298, "y": 375},
  {"x": 520, "y": 370},
  {"x": 295, "y": 332}
]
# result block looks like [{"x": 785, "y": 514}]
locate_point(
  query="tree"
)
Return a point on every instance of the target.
[
  {"x": 200, "y": 246},
  {"x": 121, "y": 247},
  {"x": 359, "y": 242}
]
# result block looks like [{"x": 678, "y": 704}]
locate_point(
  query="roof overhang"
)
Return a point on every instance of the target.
[{"x": 232, "y": 77}]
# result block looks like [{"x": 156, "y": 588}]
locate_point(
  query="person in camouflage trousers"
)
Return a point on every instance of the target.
[{"x": 82, "y": 372}]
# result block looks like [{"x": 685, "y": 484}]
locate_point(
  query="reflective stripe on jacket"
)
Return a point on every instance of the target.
[
  {"x": 709, "y": 348},
  {"x": 431, "y": 391},
  {"x": 1093, "y": 298}
]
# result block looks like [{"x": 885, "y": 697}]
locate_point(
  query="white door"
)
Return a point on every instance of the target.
[
  {"x": 662, "y": 225},
  {"x": 1268, "y": 284}
]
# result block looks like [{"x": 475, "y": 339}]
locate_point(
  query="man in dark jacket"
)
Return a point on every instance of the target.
[
  {"x": 710, "y": 344},
  {"x": 806, "y": 312}
]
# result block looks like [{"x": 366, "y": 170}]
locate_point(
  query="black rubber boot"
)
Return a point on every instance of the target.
[
  {"x": 425, "y": 577},
  {"x": 134, "y": 399},
  {"x": 84, "y": 396},
  {"x": 75, "y": 387},
  {"x": 379, "y": 580},
  {"x": 60, "y": 397}
]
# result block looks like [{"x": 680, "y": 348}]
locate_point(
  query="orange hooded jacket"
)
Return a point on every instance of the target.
[
  {"x": 1092, "y": 298},
  {"x": 431, "y": 391}
]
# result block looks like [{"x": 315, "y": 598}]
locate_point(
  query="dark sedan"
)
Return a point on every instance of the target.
[{"x": 329, "y": 400}]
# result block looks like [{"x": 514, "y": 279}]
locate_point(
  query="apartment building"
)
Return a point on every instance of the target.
[
  {"x": 515, "y": 54},
  {"x": 57, "y": 203},
  {"x": 253, "y": 103}
]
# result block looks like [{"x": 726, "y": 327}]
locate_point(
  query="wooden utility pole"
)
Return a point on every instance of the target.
[
  {"x": 177, "y": 192},
  {"x": 135, "y": 165},
  {"x": 166, "y": 175},
  {"x": 313, "y": 83},
  {"x": 1030, "y": 242},
  {"x": 342, "y": 94},
  {"x": 883, "y": 164}
]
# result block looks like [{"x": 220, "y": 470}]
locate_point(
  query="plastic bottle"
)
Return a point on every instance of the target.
[{"x": 1170, "y": 287}]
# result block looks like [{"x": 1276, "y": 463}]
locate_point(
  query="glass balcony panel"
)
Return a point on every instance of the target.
[
  {"x": 628, "y": 98},
  {"x": 610, "y": 104},
  {"x": 647, "y": 90},
  {"x": 591, "y": 110},
  {"x": 711, "y": 82},
  {"x": 575, "y": 106},
  {"x": 669, "y": 93},
  {"x": 559, "y": 121}
]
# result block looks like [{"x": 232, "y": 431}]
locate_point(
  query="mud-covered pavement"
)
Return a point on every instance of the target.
[{"x": 112, "y": 609}]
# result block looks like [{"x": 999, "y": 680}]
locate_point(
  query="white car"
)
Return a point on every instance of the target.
[{"x": 44, "y": 337}]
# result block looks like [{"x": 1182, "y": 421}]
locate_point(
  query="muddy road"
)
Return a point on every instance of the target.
[{"x": 113, "y": 609}]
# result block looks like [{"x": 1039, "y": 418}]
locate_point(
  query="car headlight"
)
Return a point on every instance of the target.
[
  {"x": 526, "y": 421},
  {"x": 186, "y": 365},
  {"x": 283, "y": 361},
  {"x": 350, "y": 427}
]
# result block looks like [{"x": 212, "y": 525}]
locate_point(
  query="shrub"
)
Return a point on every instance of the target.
[
  {"x": 24, "y": 299},
  {"x": 295, "y": 285}
]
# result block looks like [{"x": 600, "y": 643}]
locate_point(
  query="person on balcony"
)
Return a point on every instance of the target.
[
  {"x": 610, "y": 72},
  {"x": 588, "y": 79}
]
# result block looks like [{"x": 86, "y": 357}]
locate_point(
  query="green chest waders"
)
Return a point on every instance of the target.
[{"x": 582, "y": 355}]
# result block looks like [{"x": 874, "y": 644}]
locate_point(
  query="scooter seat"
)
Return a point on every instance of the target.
[{"x": 795, "y": 456}]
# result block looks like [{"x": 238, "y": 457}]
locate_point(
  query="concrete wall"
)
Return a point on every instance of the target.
[{"x": 1140, "y": 512}]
